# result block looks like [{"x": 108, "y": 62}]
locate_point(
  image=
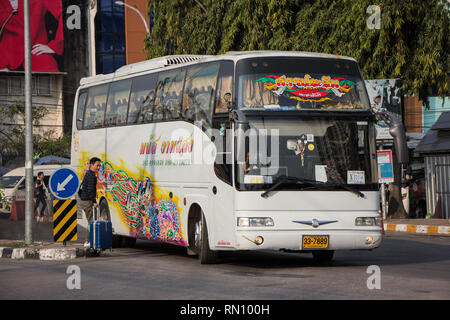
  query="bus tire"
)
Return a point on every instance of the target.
[
  {"x": 205, "y": 254},
  {"x": 323, "y": 256},
  {"x": 104, "y": 211},
  {"x": 117, "y": 241}
]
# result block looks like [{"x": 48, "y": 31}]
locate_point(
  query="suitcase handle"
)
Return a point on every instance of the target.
[{"x": 95, "y": 213}]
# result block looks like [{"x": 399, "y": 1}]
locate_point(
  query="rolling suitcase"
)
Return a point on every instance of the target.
[{"x": 100, "y": 233}]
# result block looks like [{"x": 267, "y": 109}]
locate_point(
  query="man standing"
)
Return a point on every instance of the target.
[
  {"x": 88, "y": 194},
  {"x": 40, "y": 196}
]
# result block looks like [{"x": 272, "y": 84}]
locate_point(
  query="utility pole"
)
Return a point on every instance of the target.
[{"x": 28, "y": 129}]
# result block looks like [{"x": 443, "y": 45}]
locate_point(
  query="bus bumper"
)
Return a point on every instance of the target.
[{"x": 292, "y": 240}]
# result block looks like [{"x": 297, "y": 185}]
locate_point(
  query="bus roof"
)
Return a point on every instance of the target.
[{"x": 161, "y": 63}]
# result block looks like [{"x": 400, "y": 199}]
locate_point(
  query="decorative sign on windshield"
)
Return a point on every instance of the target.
[{"x": 308, "y": 88}]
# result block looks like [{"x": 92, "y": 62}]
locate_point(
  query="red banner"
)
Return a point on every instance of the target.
[{"x": 46, "y": 34}]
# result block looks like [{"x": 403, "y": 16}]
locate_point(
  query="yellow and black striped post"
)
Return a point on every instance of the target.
[{"x": 64, "y": 220}]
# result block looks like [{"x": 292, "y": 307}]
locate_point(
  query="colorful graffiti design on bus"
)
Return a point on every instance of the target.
[
  {"x": 307, "y": 88},
  {"x": 147, "y": 210}
]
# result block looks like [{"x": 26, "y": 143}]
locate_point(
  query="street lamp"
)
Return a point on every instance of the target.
[{"x": 121, "y": 3}]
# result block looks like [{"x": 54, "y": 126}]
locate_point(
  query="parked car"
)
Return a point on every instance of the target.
[{"x": 12, "y": 185}]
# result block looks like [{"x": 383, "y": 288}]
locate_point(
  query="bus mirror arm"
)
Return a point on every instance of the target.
[
  {"x": 397, "y": 131},
  {"x": 238, "y": 117}
]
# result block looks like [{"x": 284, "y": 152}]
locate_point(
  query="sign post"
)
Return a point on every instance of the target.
[
  {"x": 385, "y": 175},
  {"x": 63, "y": 185},
  {"x": 385, "y": 166}
]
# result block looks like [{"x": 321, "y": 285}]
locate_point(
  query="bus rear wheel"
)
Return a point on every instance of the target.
[{"x": 201, "y": 243}]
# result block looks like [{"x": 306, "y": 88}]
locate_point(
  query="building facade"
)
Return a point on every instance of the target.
[{"x": 72, "y": 39}]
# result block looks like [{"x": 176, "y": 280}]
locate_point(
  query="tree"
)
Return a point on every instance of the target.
[
  {"x": 12, "y": 133},
  {"x": 412, "y": 44}
]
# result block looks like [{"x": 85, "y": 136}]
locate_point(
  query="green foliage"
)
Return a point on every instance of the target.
[
  {"x": 59, "y": 147},
  {"x": 12, "y": 134},
  {"x": 412, "y": 44}
]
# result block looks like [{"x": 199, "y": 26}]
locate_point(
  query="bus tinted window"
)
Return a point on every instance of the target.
[
  {"x": 224, "y": 86},
  {"x": 168, "y": 95},
  {"x": 199, "y": 92},
  {"x": 80, "y": 109},
  {"x": 117, "y": 107},
  {"x": 277, "y": 83},
  {"x": 94, "y": 115},
  {"x": 142, "y": 99}
]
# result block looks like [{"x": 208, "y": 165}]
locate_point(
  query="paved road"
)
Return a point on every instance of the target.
[{"x": 411, "y": 267}]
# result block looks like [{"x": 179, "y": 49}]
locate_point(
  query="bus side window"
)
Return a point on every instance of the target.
[
  {"x": 116, "y": 109},
  {"x": 94, "y": 115},
  {"x": 199, "y": 93},
  {"x": 224, "y": 86},
  {"x": 142, "y": 99},
  {"x": 168, "y": 95},
  {"x": 80, "y": 109},
  {"x": 158, "y": 110}
]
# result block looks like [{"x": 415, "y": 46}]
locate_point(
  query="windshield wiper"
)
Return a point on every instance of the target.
[
  {"x": 285, "y": 179},
  {"x": 348, "y": 188},
  {"x": 336, "y": 182}
]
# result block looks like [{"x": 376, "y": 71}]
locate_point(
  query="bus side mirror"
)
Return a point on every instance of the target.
[
  {"x": 241, "y": 127},
  {"x": 397, "y": 131}
]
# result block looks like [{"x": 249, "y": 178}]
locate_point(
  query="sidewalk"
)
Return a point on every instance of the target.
[
  {"x": 43, "y": 247},
  {"x": 419, "y": 226},
  {"x": 14, "y": 249}
]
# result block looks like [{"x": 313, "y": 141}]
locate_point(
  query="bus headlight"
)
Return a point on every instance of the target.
[
  {"x": 255, "y": 222},
  {"x": 367, "y": 221}
]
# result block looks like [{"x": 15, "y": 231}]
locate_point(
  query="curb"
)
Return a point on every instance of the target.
[
  {"x": 54, "y": 254},
  {"x": 418, "y": 229}
]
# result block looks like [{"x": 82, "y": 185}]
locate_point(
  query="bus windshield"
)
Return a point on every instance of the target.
[
  {"x": 320, "y": 150},
  {"x": 287, "y": 83}
]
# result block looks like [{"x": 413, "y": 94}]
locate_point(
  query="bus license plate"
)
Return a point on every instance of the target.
[{"x": 315, "y": 242}]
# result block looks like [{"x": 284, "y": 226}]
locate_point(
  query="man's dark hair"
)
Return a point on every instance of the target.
[
  {"x": 39, "y": 173},
  {"x": 94, "y": 160}
]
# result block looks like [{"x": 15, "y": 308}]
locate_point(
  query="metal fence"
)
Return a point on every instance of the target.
[{"x": 437, "y": 177}]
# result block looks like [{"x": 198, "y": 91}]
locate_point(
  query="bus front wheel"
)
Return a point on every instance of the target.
[{"x": 201, "y": 243}]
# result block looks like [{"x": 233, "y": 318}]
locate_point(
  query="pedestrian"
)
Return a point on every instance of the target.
[
  {"x": 88, "y": 193},
  {"x": 40, "y": 196}
]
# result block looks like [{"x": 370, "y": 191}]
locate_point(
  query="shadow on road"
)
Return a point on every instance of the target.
[{"x": 393, "y": 251}]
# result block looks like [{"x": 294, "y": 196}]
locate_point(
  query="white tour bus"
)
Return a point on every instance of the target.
[{"x": 241, "y": 151}]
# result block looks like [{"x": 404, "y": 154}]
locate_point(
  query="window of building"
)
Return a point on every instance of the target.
[
  {"x": 4, "y": 84},
  {"x": 110, "y": 36},
  {"x": 15, "y": 85},
  {"x": 142, "y": 99},
  {"x": 117, "y": 107},
  {"x": 44, "y": 86}
]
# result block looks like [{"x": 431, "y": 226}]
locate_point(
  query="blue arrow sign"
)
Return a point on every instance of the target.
[{"x": 64, "y": 183}]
